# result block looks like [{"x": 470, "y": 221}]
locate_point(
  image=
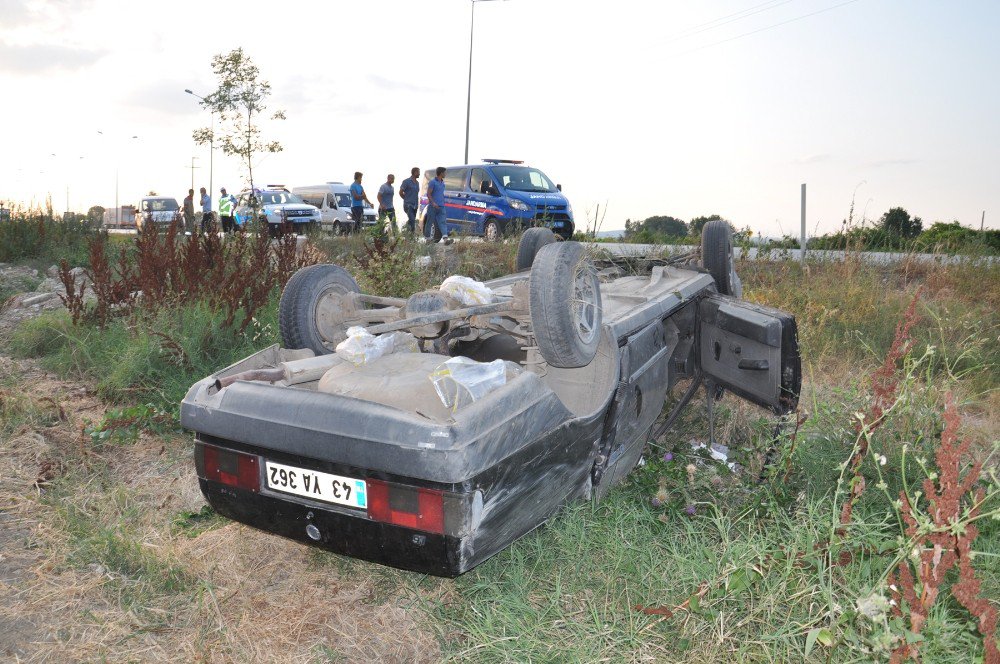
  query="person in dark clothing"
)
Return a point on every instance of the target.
[
  {"x": 189, "y": 212},
  {"x": 409, "y": 191}
]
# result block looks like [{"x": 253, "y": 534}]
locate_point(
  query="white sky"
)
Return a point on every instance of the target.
[{"x": 642, "y": 107}]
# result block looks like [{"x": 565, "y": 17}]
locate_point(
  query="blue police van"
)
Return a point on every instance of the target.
[{"x": 501, "y": 196}]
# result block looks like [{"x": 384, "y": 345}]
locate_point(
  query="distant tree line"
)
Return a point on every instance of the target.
[
  {"x": 664, "y": 229},
  {"x": 896, "y": 230}
]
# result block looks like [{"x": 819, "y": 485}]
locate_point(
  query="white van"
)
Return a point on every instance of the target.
[{"x": 334, "y": 202}]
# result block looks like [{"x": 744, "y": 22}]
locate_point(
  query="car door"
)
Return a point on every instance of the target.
[
  {"x": 644, "y": 378},
  {"x": 751, "y": 350},
  {"x": 456, "y": 196},
  {"x": 483, "y": 196}
]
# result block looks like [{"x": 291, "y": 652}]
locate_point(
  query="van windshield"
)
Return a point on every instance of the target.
[
  {"x": 343, "y": 200},
  {"x": 523, "y": 178}
]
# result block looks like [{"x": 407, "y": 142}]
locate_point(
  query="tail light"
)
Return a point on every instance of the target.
[
  {"x": 412, "y": 507},
  {"x": 231, "y": 468}
]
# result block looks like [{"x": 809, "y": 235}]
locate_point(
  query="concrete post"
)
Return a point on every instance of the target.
[{"x": 802, "y": 240}]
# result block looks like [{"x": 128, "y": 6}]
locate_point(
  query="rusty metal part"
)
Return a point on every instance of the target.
[{"x": 269, "y": 375}]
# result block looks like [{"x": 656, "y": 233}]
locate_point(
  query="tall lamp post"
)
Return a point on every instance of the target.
[
  {"x": 468, "y": 97},
  {"x": 211, "y": 147}
]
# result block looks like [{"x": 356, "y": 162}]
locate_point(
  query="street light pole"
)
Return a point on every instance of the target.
[
  {"x": 468, "y": 96},
  {"x": 211, "y": 149}
]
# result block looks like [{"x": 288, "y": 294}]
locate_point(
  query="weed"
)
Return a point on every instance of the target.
[
  {"x": 193, "y": 523},
  {"x": 124, "y": 425}
]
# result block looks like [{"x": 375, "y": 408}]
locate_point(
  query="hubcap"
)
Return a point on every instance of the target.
[{"x": 585, "y": 303}]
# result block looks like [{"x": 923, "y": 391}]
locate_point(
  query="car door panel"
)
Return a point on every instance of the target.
[{"x": 751, "y": 350}]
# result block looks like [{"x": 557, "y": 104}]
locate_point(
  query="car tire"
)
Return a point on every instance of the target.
[
  {"x": 717, "y": 257},
  {"x": 306, "y": 317},
  {"x": 532, "y": 241},
  {"x": 337, "y": 230},
  {"x": 492, "y": 231},
  {"x": 564, "y": 300}
]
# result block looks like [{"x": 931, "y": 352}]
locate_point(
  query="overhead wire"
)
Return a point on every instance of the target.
[
  {"x": 768, "y": 27},
  {"x": 737, "y": 16}
]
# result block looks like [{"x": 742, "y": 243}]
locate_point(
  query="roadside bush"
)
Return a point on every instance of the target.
[{"x": 39, "y": 237}]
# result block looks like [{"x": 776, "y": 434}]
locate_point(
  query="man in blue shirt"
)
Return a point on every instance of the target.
[
  {"x": 409, "y": 191},
  {"x": 436, "y": 213},
  {"x": 358, "y": 200},
  {"x": 206, "y": 211}
]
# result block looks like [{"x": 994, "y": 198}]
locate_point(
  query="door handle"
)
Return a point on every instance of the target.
[{"x": 753, "y": 365}]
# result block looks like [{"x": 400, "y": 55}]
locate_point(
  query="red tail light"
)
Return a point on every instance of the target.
[
  {"x": 412, "y": 507},
  {"x": 232, "y": 468}
]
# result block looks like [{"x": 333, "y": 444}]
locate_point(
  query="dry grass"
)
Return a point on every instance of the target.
[{"x": 90, "y": 557}]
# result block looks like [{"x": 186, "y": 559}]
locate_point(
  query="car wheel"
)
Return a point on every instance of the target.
[
  {"x": 564, "y": 299},
  {"x": 492, "y": 231},
  {"x": 532, "y": 240},
  {"x": 337, "y": 230},
  {"x": 313, "y": 311},
  {"x": 717, "y": 257}
]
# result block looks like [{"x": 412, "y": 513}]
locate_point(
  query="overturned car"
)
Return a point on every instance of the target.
[{"x": 448, "y": 424}]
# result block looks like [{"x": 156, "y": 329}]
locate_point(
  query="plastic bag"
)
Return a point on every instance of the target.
[
  {"x": 459, "y": 381},
  {"x": 467, "y": 291},
  {"x": 360, "y": 347}
]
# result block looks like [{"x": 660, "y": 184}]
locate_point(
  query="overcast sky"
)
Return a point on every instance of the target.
[{"x": 660, "y": 107}]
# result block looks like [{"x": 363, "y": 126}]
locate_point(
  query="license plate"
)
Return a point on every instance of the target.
[
  {"x": 557, "y": 224},
  {"x": 313, "y": 484}
]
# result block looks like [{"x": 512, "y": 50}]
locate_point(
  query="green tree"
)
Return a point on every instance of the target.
[
  {"x": 239, "y": 102},
  {"x": 95, "y": 215},
  {"x": 897, "y": 223},
  {"x": 664, "y": 225},
  {"x": 698, "y": 223}
]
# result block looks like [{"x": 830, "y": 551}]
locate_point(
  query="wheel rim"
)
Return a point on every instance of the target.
[
  {"x": 585, "y": 303},
  {"x": 492, "y": 232},
  {"x": 333, "y": 307}
]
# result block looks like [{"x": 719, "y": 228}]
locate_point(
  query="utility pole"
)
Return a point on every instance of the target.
[
  {"x": 982, "y": 220},
  {"x": 802, "y": 242}
]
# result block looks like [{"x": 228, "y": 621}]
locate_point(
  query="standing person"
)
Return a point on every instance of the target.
[
  {"x": 189, "y": 212},
  {"x": 206, "y": 211},
  {"x": 409, "y": 191},
  {"x": 226, "y": 203},
  {"x": 385, "y": 202},
  {"x": 358, "y": 200},
  {"x": 436, "y": 213}
]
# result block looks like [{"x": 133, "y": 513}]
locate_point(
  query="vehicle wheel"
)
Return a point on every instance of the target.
[
  {"x": 492, "y": 231},
  {"x": 337, "y": 230},
  {"x": 564, "y": 297},
  {"x": 717, "y": 257},
  {"x": 531, "y": 243},
  {"x": 312, "y": 311},
  {"x": 566, "y": 232}
]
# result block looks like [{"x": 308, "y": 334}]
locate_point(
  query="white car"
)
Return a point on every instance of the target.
[
  {"x": 160, "y": 211},
  {"x": 275, "y": 206}
]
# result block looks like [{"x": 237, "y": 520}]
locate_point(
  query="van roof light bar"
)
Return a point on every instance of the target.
[{"x": 503, "y": 161}]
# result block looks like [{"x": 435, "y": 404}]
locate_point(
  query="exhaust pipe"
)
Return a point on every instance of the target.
[{"x": 294, "y": 372}]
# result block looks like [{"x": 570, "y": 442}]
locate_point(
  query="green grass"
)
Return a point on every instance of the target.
[{"x": 752, "y": 554}]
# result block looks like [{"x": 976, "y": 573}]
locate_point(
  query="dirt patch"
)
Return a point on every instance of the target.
[{"x": 93, "y": 565}]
